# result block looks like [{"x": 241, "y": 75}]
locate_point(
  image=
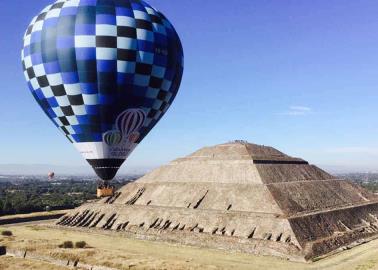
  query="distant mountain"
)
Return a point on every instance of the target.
[{"x": 42, "y": 169}]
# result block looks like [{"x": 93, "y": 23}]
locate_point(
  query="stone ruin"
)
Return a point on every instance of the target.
[{"x": 239, "y": 196}]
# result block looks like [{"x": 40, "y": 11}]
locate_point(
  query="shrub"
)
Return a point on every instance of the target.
[
  {"x": 6, "y": 233},
  {"x": 67, "y": 244},
  {"x": 80, "y": 244}
]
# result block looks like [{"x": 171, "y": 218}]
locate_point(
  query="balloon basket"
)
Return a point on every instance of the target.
[{"x": 105, "y": 191}]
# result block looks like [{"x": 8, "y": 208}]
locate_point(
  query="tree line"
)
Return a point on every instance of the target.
[{"x": 35, "y": 196}]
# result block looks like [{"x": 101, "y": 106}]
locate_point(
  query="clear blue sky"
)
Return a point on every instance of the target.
[{"x": 298, "y": 75}]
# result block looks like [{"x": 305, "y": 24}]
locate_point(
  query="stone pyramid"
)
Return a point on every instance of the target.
[{"x": 239, "y": 196}]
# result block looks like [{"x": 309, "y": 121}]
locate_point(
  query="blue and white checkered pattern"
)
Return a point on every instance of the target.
[{"x": 87, "y": 61}]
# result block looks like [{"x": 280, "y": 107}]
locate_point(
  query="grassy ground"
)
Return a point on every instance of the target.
[{"x": 123, "y": 253}]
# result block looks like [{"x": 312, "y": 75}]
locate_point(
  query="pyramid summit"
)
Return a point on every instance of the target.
[{"x": 239, "y": 196}]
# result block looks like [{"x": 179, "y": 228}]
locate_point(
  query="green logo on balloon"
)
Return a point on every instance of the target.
[{"x": 113, "y": 137}]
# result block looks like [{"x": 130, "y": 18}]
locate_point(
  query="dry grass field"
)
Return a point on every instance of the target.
[{"x": 124, "y": 253}]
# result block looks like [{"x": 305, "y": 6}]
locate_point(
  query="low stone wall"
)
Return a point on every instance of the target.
[
  {"x": 39, "y": 257},
  {"x": 17, "y": 220}
]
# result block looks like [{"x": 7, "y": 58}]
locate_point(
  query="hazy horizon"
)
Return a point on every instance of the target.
[
  {"x": 85, "y": 169},
  {"x": 63, "y": 170}
]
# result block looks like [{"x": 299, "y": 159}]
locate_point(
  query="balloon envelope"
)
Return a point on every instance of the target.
[
  {"x": 105, "y": 72},
  {"x": 51, "y": 175}
]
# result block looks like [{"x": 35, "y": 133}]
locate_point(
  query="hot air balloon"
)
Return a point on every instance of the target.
[
  {"x": 51, "y": 175},
  {"x": 105, "y": 72}
]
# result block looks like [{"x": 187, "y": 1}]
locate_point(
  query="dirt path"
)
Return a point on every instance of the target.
[{"x": 123, "y": 253}]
